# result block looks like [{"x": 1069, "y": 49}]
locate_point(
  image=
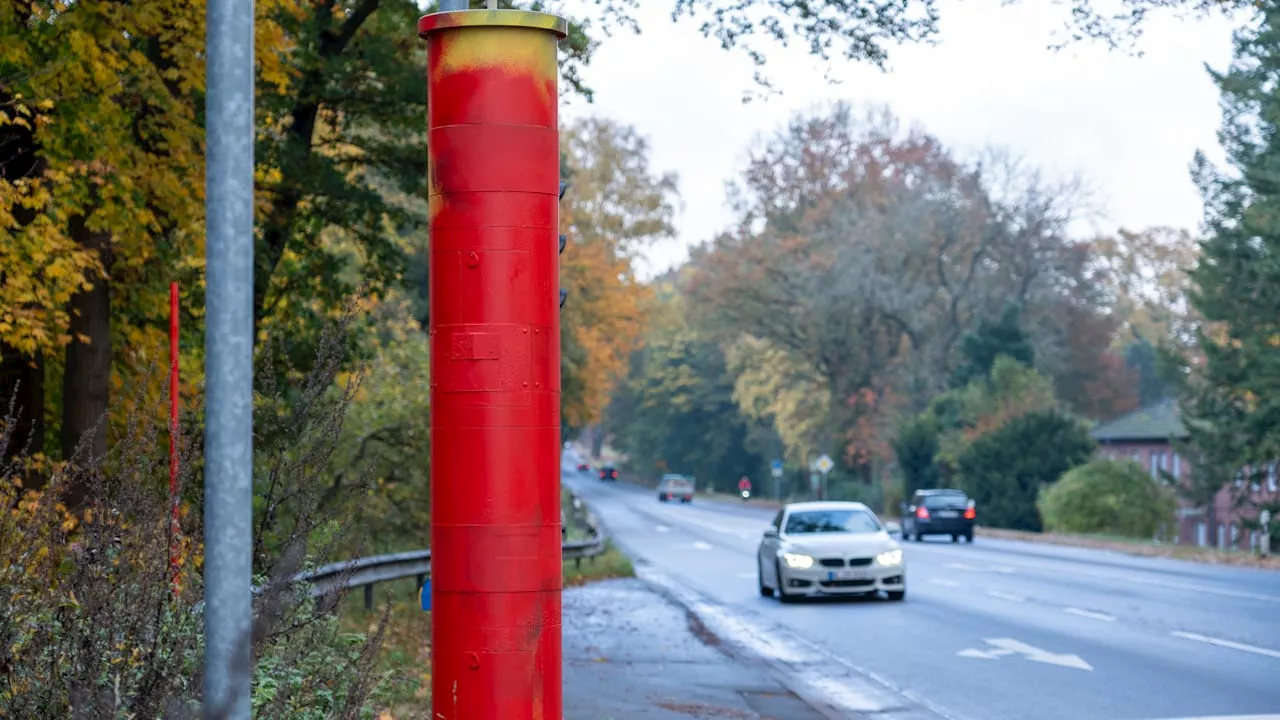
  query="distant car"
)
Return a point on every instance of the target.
[
  {"x": 608, "y": 472},
  {"x": 815, "y": 549},
  {"x": 939, "y": 512},
  {"x": 583, "y": 467},
  {"x": 674, "y": 486}
]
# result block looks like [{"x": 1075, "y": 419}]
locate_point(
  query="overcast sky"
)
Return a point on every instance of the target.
[{"x": 1128, "y": 125}]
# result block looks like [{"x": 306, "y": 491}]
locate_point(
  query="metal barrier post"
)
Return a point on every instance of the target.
[{"x": 494, "y": 183}]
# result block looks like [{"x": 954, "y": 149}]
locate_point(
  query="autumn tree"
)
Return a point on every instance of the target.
[
  {"x": 676, "y": 412},
  {"x": 614, "y": 207}
]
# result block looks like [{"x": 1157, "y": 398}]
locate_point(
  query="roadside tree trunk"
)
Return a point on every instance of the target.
[{"x": 87, "y": 378}]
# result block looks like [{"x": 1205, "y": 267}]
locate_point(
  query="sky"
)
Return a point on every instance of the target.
[{"x": 1127, "y": 125}]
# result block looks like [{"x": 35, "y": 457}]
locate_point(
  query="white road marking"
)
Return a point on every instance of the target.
[
  {"x": 1006, "y": 596},
  {"x": 1227, "y": 644},
  {"x": 1009, "y": 646},
  {"x": 1089, "y": 614},
  {"x": 1230, "y": 717},
  {"x": 702, "y": 546},
  {"x": 663, "y": 528},
  {"x": 1005, "y": 570},
  {"x": 1062, "y": 565},
  {"x": 944, "y": 583}
]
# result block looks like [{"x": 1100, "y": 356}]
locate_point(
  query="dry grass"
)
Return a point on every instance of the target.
[{"x": 1144, "y": 548}]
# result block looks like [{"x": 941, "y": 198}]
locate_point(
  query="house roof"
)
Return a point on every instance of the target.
[{"x": 1159, "y": 422}]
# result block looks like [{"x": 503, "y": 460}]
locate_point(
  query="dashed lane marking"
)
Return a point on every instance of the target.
[
  {"x": 1089, "y": 614},
  {"x": 1006, "y": 596}
]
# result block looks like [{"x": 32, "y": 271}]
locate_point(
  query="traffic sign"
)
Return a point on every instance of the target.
[
  {"x": 777, "y": 468},
  {"x": 824, "y": 464}
]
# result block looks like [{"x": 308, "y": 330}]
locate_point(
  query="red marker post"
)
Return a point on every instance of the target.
[
  {"x": 494, "y": 176},
  {"x": 174, "y": 527}
]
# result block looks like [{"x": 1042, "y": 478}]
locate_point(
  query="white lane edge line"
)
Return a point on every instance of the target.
[
  {"x": 1006, "y": 596},
  {"x": 1226, "y": 643},
  {"x": 1229, "y": 717},
  {"x": 1089, "y": 614}
]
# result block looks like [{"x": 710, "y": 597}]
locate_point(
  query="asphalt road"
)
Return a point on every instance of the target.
[{"x": 997, "y": 630}]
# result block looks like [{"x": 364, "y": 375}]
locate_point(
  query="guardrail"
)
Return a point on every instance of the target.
[{"x": 366, "y": 572}]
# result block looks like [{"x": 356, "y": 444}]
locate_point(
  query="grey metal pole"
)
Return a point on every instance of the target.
[{"x": 228, "y": 505}]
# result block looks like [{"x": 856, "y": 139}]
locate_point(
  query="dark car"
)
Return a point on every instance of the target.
[
  {"x": 939, "y": 512},
  {"x": 583, "y": 467},
  {"x": 608, "y": 472}
]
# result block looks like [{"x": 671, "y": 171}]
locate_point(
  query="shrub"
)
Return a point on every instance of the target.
[
  {"x": 1114, "y": 498},
  {"x": 92, "y": 624},
  {"x": 1004, "y": 470}
]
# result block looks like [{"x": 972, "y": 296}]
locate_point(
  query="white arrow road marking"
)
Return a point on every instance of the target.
[
  {"x": 702, "y": 546},
  {"x": 1005, "y": 596},
  {"x": 944, "y": 583},
  {"x": 1009, "y": 646},
  {"x": 1089, "y": 614},
  {"x": 1226, "y": 644}
]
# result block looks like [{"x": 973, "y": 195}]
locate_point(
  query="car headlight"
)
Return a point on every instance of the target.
[
  {"x": 797, "y": 560},
  {"x": 889, "y": 557}
]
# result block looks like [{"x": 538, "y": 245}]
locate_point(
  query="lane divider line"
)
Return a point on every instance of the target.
[
  {"x": 1011, "y": 597},
  {"x": 1233, "y": 645},
  {"x": 1089, "y": 614}
]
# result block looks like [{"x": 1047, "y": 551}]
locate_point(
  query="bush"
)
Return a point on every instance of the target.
[
  {"x": 92, "y": 624},
  {"x": 1113, "y": 498},
  {"x": 1004, "y": 470}
]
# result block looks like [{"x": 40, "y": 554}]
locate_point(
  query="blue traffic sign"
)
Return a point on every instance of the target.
[{"x": 777, "y": 464}]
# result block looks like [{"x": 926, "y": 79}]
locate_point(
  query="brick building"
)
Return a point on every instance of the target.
[{"x": 1145, "y": 436}]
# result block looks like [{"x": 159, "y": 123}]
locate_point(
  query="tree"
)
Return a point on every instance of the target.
[
  {"x": 1104, "y": 496},
  {"x": 915, "y": 447},
  {"x": 980, "y": 348},
  {"x": 676, "y": 410},
  {"x": 615, "y": 205},
  {"x": 1231, "y": 400},
  {"x": 1005, "y": 470}
]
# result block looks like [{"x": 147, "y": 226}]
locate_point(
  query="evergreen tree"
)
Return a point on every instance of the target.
[
  {"x": 1231, "y": 401},
  {"x": 980, "y": 348}
]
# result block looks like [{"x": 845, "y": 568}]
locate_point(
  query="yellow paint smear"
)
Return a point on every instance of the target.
[{"x": 517, "y": 50}]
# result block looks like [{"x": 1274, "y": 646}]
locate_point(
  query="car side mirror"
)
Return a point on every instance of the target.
[{"x": 771, "y": 533}]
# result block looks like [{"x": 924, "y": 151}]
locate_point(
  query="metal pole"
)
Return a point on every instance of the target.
[
  {"x": 493, "y": 152},
  {"x": 228, "y": 505},
  {"x": 451, "y": 5}
]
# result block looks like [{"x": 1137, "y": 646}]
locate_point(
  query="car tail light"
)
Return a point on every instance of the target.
[
  {"x": 970, "y": 513},
  {"x": 614, "y": 474},
  {"x": 922, "y": 512}
]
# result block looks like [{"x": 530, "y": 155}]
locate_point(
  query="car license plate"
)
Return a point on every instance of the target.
[
  {"x": 948, "y": 514},
  {"x": 853, "y": 574}
]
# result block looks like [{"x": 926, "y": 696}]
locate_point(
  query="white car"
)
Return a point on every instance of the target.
[{"x": 817, "y": 549}]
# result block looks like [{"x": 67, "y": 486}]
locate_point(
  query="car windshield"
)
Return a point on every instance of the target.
[{"x": 831, "y": 521}]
